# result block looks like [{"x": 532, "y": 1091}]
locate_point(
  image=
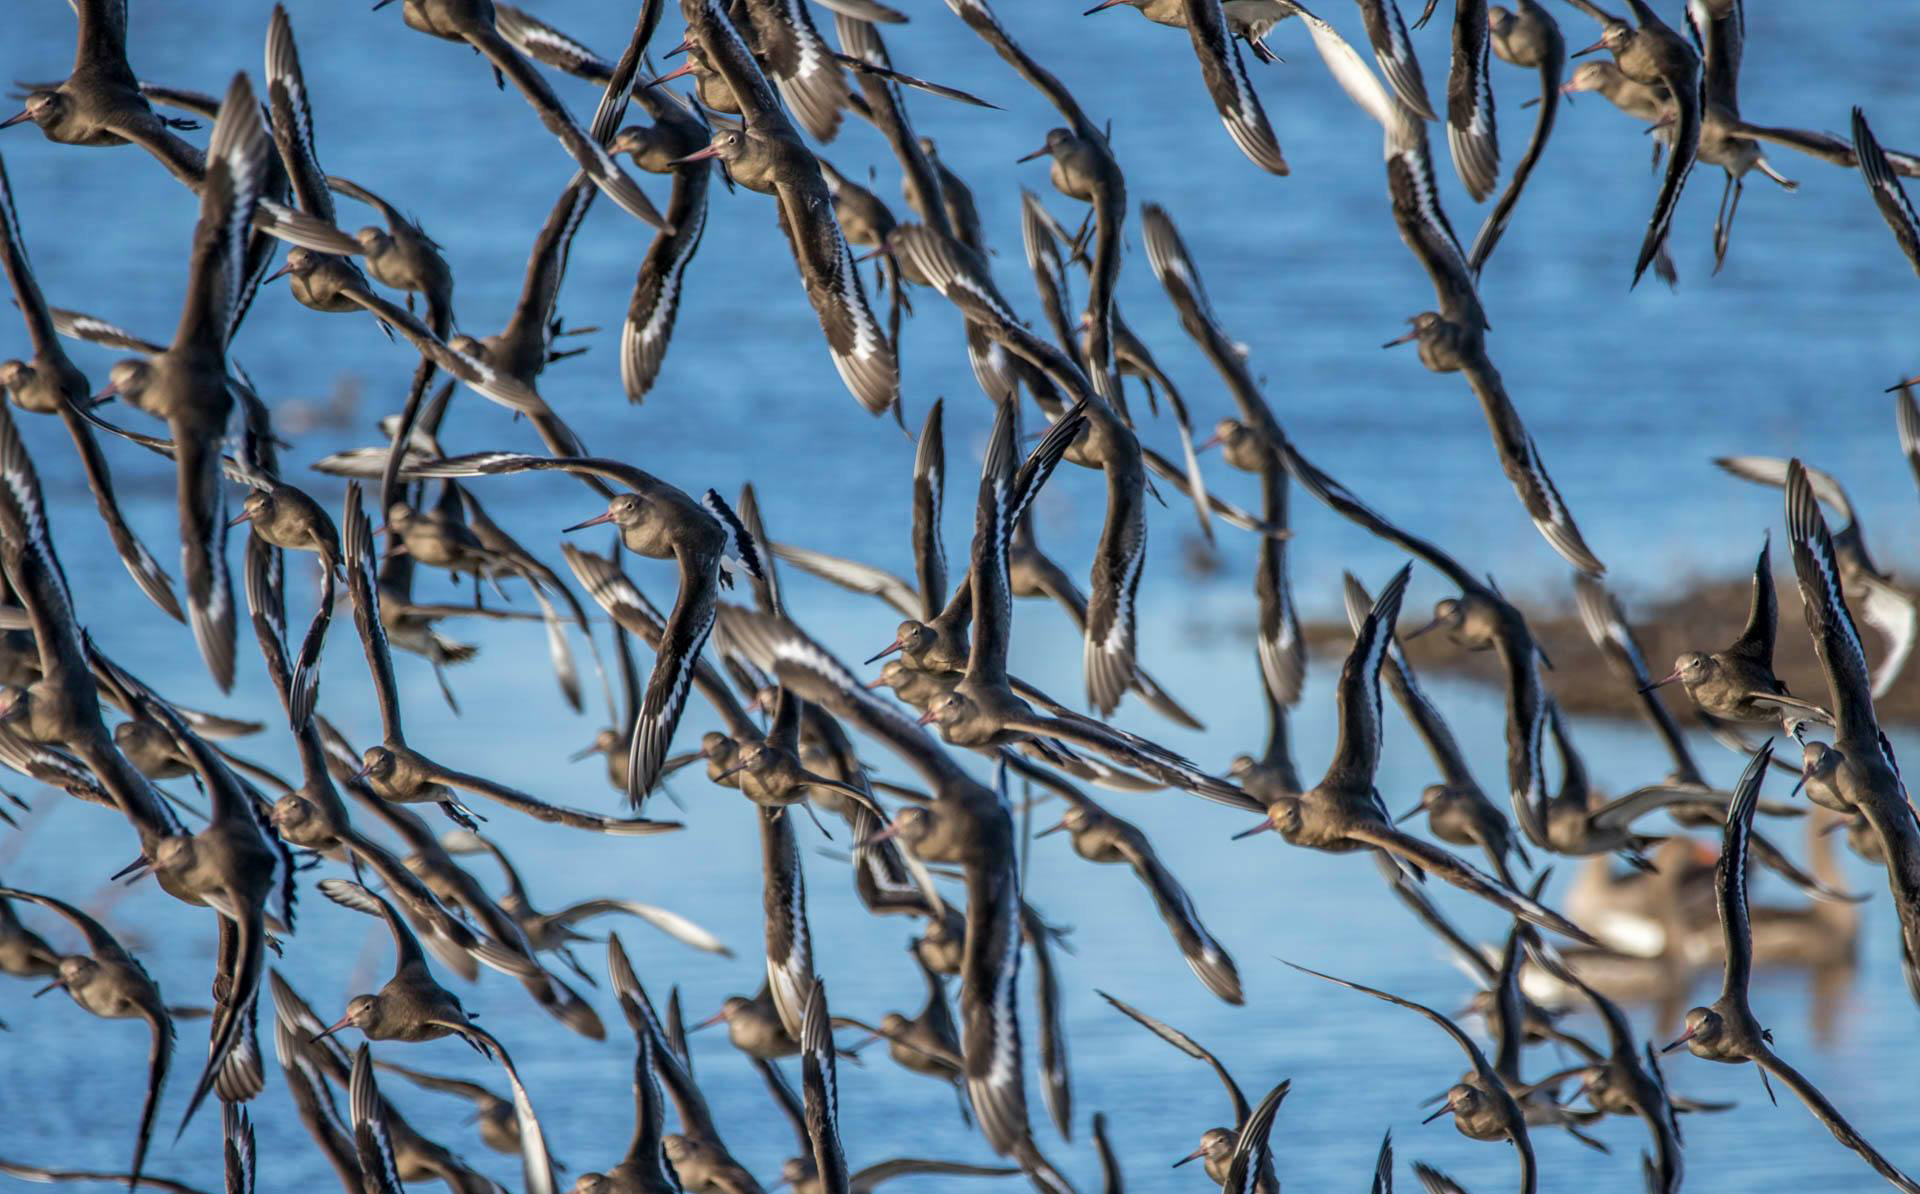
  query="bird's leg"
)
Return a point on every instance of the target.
[
  {"x": 1723, "y": 224},
  {"x": 1153, "y": 490},
  {"x": 669, "y": 793},
  {"x": 1765, "y": 167},
  {"x": 180, "y": 804},
  {"x": 573, "y": 964},
  {"x": 1637, "y": 860},
  {"x": 1585, "y": 1139},
  {"x": 1719, "y": 215},
  {"x": 1077, "y": 248},
  {"x": 440, "y": 674},
  {"x": 815, "y": 817}
]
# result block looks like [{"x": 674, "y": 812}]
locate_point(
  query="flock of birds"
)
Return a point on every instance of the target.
[{"x": 800, "y": 725}]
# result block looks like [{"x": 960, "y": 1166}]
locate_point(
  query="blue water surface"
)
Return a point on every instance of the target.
[{"x": 1629, "y": 394}]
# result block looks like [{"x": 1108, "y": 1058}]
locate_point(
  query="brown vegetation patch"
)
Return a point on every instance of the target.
[{"x": 1705, "y": 615}]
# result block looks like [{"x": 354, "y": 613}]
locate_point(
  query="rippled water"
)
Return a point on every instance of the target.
[{"x": 1628, "y": 394}]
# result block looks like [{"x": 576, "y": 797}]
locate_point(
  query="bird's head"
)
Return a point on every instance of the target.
[
  {"x": 1595, "y": 1081},
  {"x": 1420, "y": 327},
  {"x": 1240, "y": 445},
  {"x": 730, "y": 1007},
  {"x": 1818, "y": 762},
  {"x": 727, "y": 144},
  {"x": 174, "y": 852},
  {"x": 1059, "y": 141},
  {"x": 128, "y": 379},
  {"x": 1216, "y": 1145},
  {"x": 798, "y": 1172},
  {"x": 912, "y": 825},
  {"x": 755, "y": 760},
  {"x": 300, "y": 262},
  {"x": 469, "y": 346},
  {"x": 1463, "y": 1099},
  {"x": 141, "y": 736},
  {"x": 1690, "y": 668},
  {"x": 1223, "y": 431},
  {"x": 76, "y": 970},
  {"x": 1614, "y": 36},
  {"x": 653, "y": 150},
  {"x": 624, "y": 511},
  {"x": 1431, "y": 795},
  {"x": 910, "y": 637},
  {"x": 1285, "y": 816},
  {"x": 44, "y": 107},
  {"x": 1590, "y": 76},
  {"x": 940, "y": 931},
  {"x": 291, "y": 813},
  {"x": 893, "y": 674},
  {"x": 374, "y": 239},
  {"x": 363, "y": 1012},
  {"x": 378, "y": 764},
  {"x": 1449, "y": 613},
  {"x": 257, "y": 507},
  {"x": 1704, "y": 1028},
  {"x": 604, "y": 743},
  {"x": 1076, "y": 819},
  {"x": 400, "y": 516},
  {"x": 632, "y": 139},
  {"x": 947, "y": 709}
]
